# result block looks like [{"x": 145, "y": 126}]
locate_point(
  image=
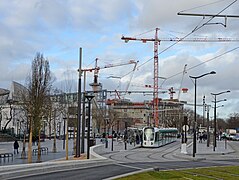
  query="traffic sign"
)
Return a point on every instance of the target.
[{"x": 185, "y": 127}]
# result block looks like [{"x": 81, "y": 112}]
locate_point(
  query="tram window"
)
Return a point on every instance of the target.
[
  {"x": 148, "y": 134},
  {"x": 156, "y": 136}
]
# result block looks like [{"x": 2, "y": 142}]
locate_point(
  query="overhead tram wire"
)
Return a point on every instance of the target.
[
  {"x": 193, "y": 31},
  {"x": 211, "y": 59},
  {"x": 197, "y": 7}
]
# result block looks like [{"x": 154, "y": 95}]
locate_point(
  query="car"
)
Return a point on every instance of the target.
[{"x": 236, "y": 137}]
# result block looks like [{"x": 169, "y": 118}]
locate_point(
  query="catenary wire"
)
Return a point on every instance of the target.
[{"x": 181, "y": 39}]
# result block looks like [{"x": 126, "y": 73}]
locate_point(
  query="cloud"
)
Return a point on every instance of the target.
[{"x": 57, "y": 28}]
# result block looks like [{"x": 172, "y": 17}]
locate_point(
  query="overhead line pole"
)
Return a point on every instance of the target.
[
  {"x": 207, "y": 15},
  {"x": 79, "y": 108}
]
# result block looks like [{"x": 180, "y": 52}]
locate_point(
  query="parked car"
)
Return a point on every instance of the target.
[
  {"x": 231, "y": 136},
  {"x": 236, "y": 137}
]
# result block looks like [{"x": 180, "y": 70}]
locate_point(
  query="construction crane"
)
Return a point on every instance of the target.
[
  {"x": 97, "y": 68},
  {"x": 156, "y": 41},
  {"x": 180, "y": 88}
]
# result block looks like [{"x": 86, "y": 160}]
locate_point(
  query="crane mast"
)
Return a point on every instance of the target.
[{"x": 156, "y": 72}]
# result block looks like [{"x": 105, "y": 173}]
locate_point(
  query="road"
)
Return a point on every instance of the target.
[{"x": 140, "y": 159}]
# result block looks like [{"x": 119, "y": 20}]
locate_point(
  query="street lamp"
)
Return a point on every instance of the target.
[
  {"x": 89, "y": 97},
  {"x": 64, "y": 131},
  {"x": 195, "y": 108},
  {"x": 215, "y": 111}
]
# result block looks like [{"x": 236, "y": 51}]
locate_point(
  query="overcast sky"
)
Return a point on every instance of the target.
[{"x": 58, "y": 28}]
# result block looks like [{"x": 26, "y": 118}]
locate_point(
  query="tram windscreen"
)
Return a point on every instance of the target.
[{"x": 148, "y": 134}]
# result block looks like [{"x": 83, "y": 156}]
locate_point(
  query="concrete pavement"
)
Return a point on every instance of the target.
[{"x": 204, "y": 152}]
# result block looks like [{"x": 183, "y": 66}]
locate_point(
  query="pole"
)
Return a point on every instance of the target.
[
  {"x": 203, "y": 107},
  {"x": 88, "y": 132},
  {"x": 79, "y": 108},
  {"x": 29, "y": 152},
  {"x": 23, "y": 155},
  {"x": 64, "y": 137},
  {"x": 112, "y": 143},
  {"x": 106, "y": 133},
  {"x": 208, "y": 133},
  {"x": 215, "y": 128},
  {"x": 67, "y": 136},
  {"x": 83, "y": 118},
  {"x": 54, "y": 141},
  {"x": 125, "y": 137},
  {"x": 195, "y": 119},
  {"x": 225, "y": 143}
]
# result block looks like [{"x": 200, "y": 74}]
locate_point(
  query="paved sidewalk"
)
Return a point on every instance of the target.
[
  {"x": 7, "y": 147},
  {"x": 203, "y": 152},
  {"x": 117, "y": 147}
]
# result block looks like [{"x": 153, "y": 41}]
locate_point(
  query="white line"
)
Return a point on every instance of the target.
[{"x": 128, "y": 166}]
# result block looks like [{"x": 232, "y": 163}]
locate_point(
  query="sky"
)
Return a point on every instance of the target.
[{"x": 58, "y": 28}]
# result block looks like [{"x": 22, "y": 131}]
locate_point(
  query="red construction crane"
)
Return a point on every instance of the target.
[{"x": 156, "y": 41}]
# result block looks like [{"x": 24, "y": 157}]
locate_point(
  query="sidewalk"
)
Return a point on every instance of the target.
[
  {"x": 202, "y": 151},
  {"x": 118, "y": 146},
  {"x": 7, "y": 147}
]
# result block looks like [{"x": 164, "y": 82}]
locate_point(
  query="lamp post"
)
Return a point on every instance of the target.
[
  {"x": 215, "y": 112},
  {"x": 89, "y": 97},
  {"x": 195, "y": 108},
  {"x": 208, "y": 133},
  {"x": 64, "y": 131}
]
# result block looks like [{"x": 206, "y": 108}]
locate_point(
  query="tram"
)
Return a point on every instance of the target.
[{"x": 156, "y": 137}]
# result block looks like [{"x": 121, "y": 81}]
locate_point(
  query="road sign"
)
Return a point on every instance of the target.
[{"x": 185, "y": 127}]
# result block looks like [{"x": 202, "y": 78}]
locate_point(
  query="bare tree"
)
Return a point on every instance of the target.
[
  {"x": 233, "y": 121},
  {"x": 34, "y": 101},
  {"x": 98, "y": 118}
]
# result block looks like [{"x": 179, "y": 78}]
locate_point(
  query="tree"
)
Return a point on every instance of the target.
[
  {"x": 221, "y": 124},
  {"x": 34, "y": 101},
  {"x": 233, "y": 121},
  {"x": 98, "y": 118}
]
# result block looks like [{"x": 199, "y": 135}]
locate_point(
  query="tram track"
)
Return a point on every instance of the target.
[
  {"x": 166, "y": 152},
  {"x": 138, "y": 155}
]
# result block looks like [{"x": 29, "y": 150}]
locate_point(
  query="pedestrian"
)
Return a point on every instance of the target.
[
  {"x": 200, "y": 138},
  {"x": 16, "y": 146}
]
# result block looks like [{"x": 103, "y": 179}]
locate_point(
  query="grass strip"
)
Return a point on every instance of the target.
[{"x": 218, "y": 173}]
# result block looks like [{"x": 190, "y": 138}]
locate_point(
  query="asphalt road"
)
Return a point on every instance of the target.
[{"x": 103, "y": 172}]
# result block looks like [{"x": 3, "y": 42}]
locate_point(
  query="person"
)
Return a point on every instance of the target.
[
  {"x": 16, "y": 146},
  {"x": 200, "y": 138}
]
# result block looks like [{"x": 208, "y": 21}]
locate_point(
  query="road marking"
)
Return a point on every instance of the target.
[{"x": 128, "y": 166}]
